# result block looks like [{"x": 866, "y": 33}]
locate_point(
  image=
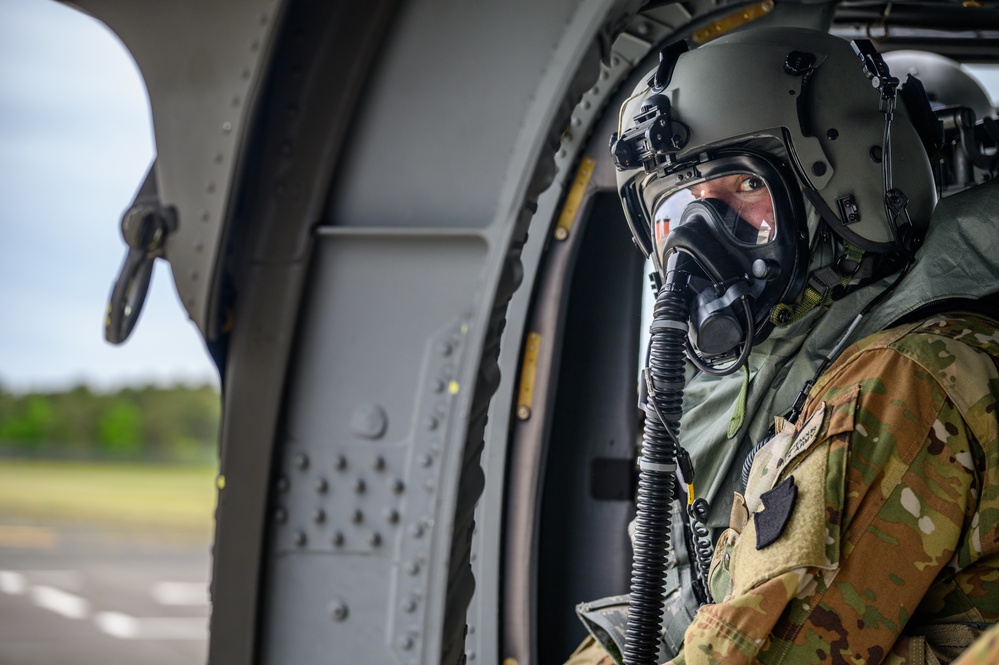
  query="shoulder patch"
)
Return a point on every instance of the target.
[{"x": 778, "y": 504}]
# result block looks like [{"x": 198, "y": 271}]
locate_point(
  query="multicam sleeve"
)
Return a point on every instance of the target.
[{"x": 878, "y": 483}]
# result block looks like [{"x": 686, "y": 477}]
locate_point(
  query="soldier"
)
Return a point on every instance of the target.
[{"x": 865, "y": 526}]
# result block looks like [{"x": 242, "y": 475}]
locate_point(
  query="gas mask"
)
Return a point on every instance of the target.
[{"x": 732, "y": 219}]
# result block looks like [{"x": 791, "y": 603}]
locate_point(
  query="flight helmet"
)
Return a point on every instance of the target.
[{"x": 725, "y": 152}]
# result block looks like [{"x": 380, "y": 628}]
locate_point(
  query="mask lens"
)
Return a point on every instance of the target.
[{"x": 741, "y": 206}]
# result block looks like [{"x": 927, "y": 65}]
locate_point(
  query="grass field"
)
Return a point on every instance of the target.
[{"x": 114, "y": 496}]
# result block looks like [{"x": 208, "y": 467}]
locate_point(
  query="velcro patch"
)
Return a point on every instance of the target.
[{"x": 777, "y": 506}]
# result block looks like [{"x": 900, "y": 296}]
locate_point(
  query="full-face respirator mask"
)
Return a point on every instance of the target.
[
  {"x": 725, "y": 147},
  {"x": 730, "y": 219}
]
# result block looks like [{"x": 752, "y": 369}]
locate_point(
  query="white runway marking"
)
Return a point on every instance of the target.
[
  {"x": 127, "y": 627},
  {"x": 12, "y": 583},
  {"x": 60, "y": 602},
  {"x": 116, "y": 624},
  {"x": 194, "y": 594}
]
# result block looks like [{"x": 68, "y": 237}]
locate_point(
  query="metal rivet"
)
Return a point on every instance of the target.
[
  {"x": 405, "y": 643},
  {"x": 438, "y": 386},
  {"x": 319, "y": 516},
  {"x": 430, "y": 424},
  {"x": 359, "y": 485},
  {"x": 300, "y": 538},
  {"x": 246, "y": 73},
  {"x": 236, "y": 101},
  {"x": 302, "y": 461},
  {"x": 322, "y": 485},
  {"x": 369, "y": 421},
  {"x": 413, "y": 567},
  {"x": 338, "y": 610},
  {"x": 193, "y": 274},
  {"x": 379, "y": 463},
  {"x": 577, "y": 121},
  {"x": 226, "y": 126},
  {"x": 375, "y": 540},
  {"x": 340, "y": 463},
  {"x": 416, "y": 530},
  {"x": 255, "y": 46},
  {"x": 409, "y": 605},
  {"x": 198, "y": 245},
  {"x": 429, "y": 485},
  {"x": 219, "y": 157},
  {"x": 426, "y": 460},
  {"x": 210, "y": 187},
  {"x": 586, "y": 105},
  {"x": 205, "y": 216},
  {"x": 444, "y": 349},
  {"x": 643, "y": 28},
  {"x": 392, "y": 516},
  {"x": 337, "y": 539},
  {"x": 398, "y": 486},
  {"x": 357, "y": 517},
  {"x": 280, "y": 515},
  {"x": 523, "y": 412},
  {"x": 282, "y": 484}
]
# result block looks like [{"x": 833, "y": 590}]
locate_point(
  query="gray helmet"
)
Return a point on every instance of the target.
[
  {"x": 945, "y": 80},
  {"x": 807, "y": 91}
]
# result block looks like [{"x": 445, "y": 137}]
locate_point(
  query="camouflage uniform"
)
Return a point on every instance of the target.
[{"x": 875, "y": 520}]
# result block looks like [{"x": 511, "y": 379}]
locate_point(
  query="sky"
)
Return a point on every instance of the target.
[{"x": 75, "y": 144}]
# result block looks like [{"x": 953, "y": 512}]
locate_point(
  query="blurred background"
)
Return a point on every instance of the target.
[{"x": 107, "y": 454}]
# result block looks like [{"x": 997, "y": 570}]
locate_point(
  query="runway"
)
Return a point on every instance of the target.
[{"x": 76, "y": 595}]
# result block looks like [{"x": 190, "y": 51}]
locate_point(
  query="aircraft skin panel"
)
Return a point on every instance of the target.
[
  {"x": 402, "y": 182},
  {"x": 202, "y": 63}
]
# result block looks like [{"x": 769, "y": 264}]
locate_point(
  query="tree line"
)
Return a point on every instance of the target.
[{"x": 178, "y": 423}]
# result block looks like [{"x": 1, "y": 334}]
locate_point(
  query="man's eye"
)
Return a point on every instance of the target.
[{"x": 751, "y": 184}]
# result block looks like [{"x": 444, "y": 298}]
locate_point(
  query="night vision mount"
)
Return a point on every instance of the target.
[
  {"x": 654, "y": 140},
  {"x": 656, "y": 136}
]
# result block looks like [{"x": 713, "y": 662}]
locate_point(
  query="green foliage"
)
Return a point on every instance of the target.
[
  {"x": 175, "y": 423},
  {"x": 121, "y": 429}
]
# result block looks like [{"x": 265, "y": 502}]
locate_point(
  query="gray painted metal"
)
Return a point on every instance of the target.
[
  {"x": 203, "y": 63},
  {"x": 429, "y": 205}
]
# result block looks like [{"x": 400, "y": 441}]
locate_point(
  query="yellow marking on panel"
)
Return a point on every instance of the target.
[
  {"x": 453, "y": 387},
  {"x": 528, "y": 373},
  {"x": 571, "y": 208},
  {"x": 733, "y": 21},
  {"x": 220, "y": 482}
]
